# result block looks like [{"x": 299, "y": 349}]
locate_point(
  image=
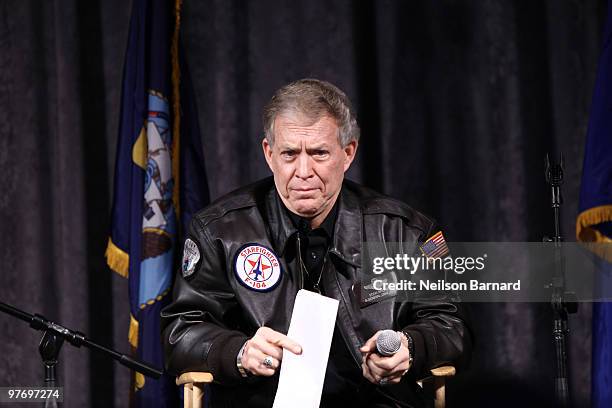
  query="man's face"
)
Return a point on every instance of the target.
[{"x": 308, "y": 163}]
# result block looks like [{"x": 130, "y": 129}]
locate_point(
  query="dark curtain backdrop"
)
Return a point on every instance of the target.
[{"x": 458, "y": 103}]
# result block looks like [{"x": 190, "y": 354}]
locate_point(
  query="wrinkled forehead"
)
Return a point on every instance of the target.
[{"x": 292, "y": 124}]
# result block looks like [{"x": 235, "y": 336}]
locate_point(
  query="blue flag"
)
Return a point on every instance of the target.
[
  {"x": 159, "y": 181},
  {"x": 595, "y": 218}
]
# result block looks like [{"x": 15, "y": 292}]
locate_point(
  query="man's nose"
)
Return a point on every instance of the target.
[{"x": 304, "y": 166}]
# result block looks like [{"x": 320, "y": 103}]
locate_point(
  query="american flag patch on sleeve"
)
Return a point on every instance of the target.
[{"x": 435, "y": 246}]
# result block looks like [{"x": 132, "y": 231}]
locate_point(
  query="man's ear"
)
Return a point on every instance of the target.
[
  {"x": 350, "y": 150},
  {"x": 267, "y": 151}
]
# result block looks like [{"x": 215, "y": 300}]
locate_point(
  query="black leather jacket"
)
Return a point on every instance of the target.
[{"x": 212, "y": 314}]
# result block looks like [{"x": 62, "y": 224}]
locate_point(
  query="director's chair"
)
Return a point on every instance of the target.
[{"x": 194, "y": 383}]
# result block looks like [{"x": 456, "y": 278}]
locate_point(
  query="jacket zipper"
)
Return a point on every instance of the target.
[
  {"x": 349, "y": 344},
  {"x": 299, "y": 252},
  {"x": 343, "y": 334}
]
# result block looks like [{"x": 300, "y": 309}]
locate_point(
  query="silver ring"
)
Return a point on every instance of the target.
[
  {"x": 383, "y": 381},
  {"x": 267, "y": 361}
]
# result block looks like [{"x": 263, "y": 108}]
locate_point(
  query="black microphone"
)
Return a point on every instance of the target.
[{"x": 388, "y": 343}]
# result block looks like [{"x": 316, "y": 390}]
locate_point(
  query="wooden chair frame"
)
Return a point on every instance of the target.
[{"x": 194, "y": 383}]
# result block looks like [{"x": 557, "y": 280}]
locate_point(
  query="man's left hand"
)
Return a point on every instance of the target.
[{"x": 384, "y": 370}]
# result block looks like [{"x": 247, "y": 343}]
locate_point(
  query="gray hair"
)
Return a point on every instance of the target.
[{"x": 312, "y": 99}]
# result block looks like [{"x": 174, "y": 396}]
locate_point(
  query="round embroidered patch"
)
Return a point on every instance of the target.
[
  {"x": 191, "y": 256},
  {"x": 257, "y": 267}
]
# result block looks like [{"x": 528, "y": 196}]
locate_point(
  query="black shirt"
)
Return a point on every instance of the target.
[{"x": 314, "y": 244}]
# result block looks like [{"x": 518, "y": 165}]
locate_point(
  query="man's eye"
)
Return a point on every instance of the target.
[
  {"x": 288, "y": 153},
  {"x": 321, "y": 153}
]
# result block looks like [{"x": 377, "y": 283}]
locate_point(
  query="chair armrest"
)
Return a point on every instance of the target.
[
  {"x": 193, "y": 392},
  {"x": 439, "y": 375},
  {"x": 444, "y": 371},
  {"x": 194, "y": 377}
]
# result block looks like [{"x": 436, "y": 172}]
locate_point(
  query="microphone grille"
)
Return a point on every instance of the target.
[{"x": 388, "y": 342}]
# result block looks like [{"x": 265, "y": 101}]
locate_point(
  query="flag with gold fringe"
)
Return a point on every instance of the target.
[
  {"x": 159, "y": 180},
  {"x": 594, "y": 222}
]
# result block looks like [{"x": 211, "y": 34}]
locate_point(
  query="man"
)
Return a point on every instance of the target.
[{"x": 248, "y": 254}]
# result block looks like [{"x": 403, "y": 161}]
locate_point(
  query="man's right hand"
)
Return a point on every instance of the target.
[{"x": 266, "y": 342}]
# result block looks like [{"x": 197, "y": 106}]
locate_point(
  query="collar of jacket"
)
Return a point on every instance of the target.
[{"x": 347, "y": 238}]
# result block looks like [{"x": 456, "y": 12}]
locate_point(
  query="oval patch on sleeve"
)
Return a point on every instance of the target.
[
  {"x": 191, "y": 256},
  {"x": 257, "y": 268}
]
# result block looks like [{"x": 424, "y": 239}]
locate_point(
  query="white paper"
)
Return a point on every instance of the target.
[{"x": 312, "y": 327}]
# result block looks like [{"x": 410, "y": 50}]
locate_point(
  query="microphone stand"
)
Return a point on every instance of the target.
[
  {"x": 562, "y": 302},
  {"x": 53, "y": 339}
]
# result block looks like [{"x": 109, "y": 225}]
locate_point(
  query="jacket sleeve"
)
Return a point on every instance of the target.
[
  {"x": 197, "y": 329},
  {"x": 439, "y": 327}
]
